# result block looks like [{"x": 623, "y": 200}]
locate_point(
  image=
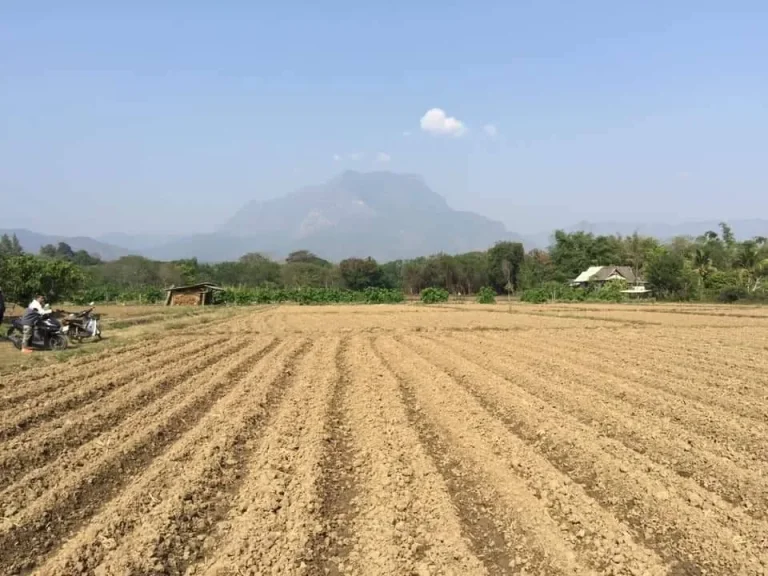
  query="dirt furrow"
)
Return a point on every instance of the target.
[
  {"x": 740, "y": 481},
  {"x": 161, "y": 521},
  {"x": 57, "y": 378},
  {"x": 718, "y": 378},
  {"x": 42, "y": 445},
  {"x": 684, "y": 528},
  {"x": 510, "y": 523},
  {"x": 96, "y": 473},
  {"x": 734, "y": 433},
  {"x": 277, "y": 510},
  {"x": 337, "y": 487},
  {"x": 402, "y": 519},
  {"x": 35, "y": 380},
  {"x": 706, "y": 355},
  {"x": 720, "y": 383},
  {"x": 19, "y": 420}
]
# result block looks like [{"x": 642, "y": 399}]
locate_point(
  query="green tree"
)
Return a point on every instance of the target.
[
  {"x": 702, "y": 264},
  {"x": 27, "y": 275},
  {"x": 83, "y": 258},
  {"x": 360, "y": 273},
  {"x": 306, "y": 257},
  {"x": 513, "y": 254},
  {"x": 392, "y": 274},
  {"x": 49, "y": 251},
  {"x": 259, "y": 270},
  {"x": 753, "y": 267},
  {"x": 670, "y": 277},
  {"x": 10, "y": 246},
  {"x": 64, "y": 251},
  {"x": 537, "y": 269}
]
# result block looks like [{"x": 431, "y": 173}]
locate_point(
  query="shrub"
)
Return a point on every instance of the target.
[
  {"x": 434, "y": 295},
  {"x": 553, "y": 292},
  {"x": 609, "y": 292},
  {"x": 731, "y": 294},
  {"x": 308, "y": 296},
  {"x": 486, "y": 295}
]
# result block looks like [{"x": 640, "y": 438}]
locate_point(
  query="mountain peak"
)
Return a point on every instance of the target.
[{"x": 382, "y": 214}]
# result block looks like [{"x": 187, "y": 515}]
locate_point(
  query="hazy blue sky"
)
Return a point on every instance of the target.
[{"x": 167, "y": 116}]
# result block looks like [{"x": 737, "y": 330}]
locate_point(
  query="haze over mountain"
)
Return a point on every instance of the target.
[{"x": 380, "y": 214}]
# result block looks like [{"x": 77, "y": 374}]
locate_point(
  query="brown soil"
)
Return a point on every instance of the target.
[{"x": 460, "y": 440}]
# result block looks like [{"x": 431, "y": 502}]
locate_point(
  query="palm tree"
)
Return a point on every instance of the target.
[
  {"x": 702, "y": 263},
  {"x": 753, "y": 266}
]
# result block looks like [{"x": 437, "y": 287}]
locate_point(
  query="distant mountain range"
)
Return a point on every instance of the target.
[{"x": 380, "y": 214}]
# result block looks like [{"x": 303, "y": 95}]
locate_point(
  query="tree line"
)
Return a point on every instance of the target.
[{"x": 712, "y": 266}]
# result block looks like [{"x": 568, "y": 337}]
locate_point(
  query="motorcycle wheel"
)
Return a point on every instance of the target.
[
  {"x": 16, "y": 341},
  {"x": 58, "y": 342}
]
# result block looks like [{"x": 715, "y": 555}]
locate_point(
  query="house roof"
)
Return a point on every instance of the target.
[
  {"x": 600, "y": 273},
  {"x": 209, "y": 285},
  {"x": 587, "y": 274}
]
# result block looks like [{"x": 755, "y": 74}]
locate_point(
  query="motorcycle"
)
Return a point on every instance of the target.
[
  {"x": 47, "y": 334},
  {"x": 83, "y": 324}
]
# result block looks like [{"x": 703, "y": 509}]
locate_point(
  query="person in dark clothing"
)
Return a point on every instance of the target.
[
  {"x": 31, "y": 316},
  {"x": 2, "y": 306}
]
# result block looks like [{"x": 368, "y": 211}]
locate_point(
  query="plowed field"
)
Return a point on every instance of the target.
[{"x": 398, "y": 440}]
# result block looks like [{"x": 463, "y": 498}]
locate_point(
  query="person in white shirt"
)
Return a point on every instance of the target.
[{"x": 31, "y": 316}]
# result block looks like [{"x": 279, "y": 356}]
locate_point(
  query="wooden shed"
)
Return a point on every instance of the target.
[{"x": 193, "y": 295}]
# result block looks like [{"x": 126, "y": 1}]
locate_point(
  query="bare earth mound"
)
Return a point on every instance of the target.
[{"x": 460, "y": 440}]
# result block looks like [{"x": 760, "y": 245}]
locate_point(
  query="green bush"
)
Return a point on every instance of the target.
[
  {"x": 434, "y": 295},
  {"x": 731, "y": 294},
  {"x": 609, "y": 292},
  {"x": 486, "y": 295},
  {"x": 553, "y": 292},
  {"x": 308, "y": 296}
]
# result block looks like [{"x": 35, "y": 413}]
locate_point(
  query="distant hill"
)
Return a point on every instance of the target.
[
  {"x": 33, "y": 241},
  {"x": 742, "y": 229},
  {"x": 380, "y": 214}
]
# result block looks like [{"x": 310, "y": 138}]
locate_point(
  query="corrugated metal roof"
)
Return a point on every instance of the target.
[
  {"x": 210, "y": 285},
  {"x": 587, "y": 274}
]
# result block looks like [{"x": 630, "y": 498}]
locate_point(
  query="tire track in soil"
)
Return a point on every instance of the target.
[
  {"x": 506, "y": 535},
  {"x": 738, "y": 481},
  {"x": 36, "y": 531},
  {"x": 275, "y": 514},
  {"x": 683, "y": 528},
  {"x": 337, "y": 487},
  {"x": 42, "y": 445},
  {"x": 163, "y": 521},
  {"x": 104, "y": 385}
]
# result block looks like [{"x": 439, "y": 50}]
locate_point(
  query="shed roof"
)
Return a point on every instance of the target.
[{"x": 208, "y": 285}]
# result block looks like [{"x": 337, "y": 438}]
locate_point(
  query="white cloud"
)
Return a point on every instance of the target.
[
  {"x": 355, "y": 156},
  {"x": 435, "y": 121},
  {"x": 337, "y": 157},
  {"x": 490, "y": 130},
  {"x": 383, "y": 157}
]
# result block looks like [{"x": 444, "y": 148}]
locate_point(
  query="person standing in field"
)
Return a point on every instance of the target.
[
  {"x": 31, "y": 315},
  {"x": 2, "y": 306}
]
